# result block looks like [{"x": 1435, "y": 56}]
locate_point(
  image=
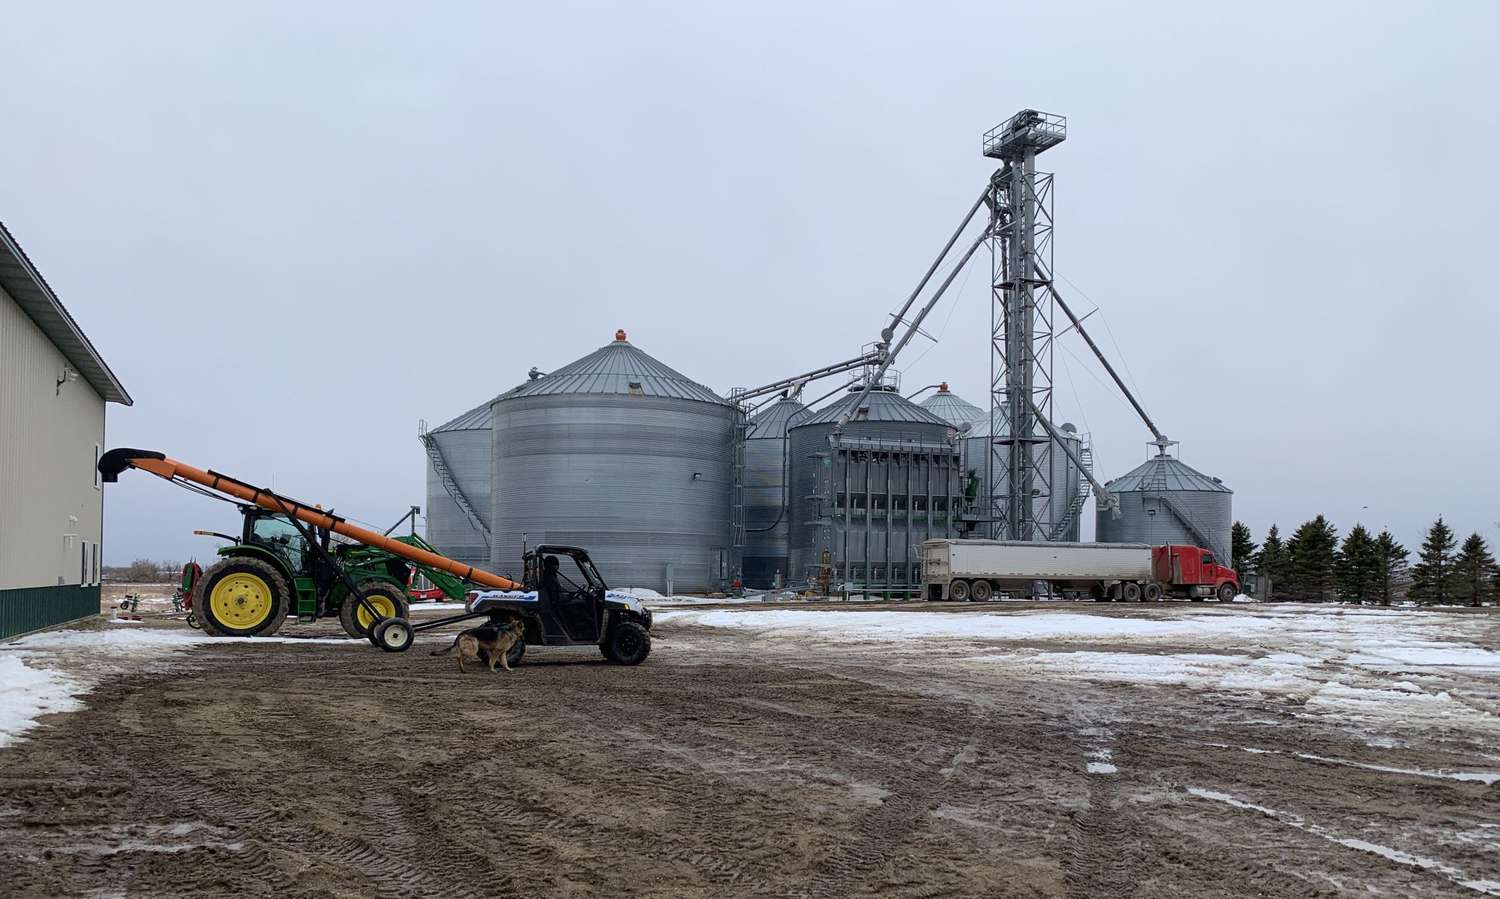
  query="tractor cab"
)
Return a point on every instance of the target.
[
  {"x": 567, "y": 603},
  {"x": 277, "y": 535}
]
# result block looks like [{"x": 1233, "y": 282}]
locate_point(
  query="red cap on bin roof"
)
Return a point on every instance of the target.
[{"x": 620, "y": 334}]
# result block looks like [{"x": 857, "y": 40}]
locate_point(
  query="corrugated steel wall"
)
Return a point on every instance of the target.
[
  {"x": 51, "y": 507},
  {"x": 33, "y": 608},
  {"x": 467, "y": 455},
  {"x": 641, "y": 482},
  {"x": 870, "y": 500},
  {"x": 767, "y": 524}
]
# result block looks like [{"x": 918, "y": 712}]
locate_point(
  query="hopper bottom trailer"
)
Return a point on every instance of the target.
[{"x": 962, "y": 570}]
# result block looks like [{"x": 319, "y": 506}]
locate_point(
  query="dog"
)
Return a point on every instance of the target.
[{"x": 495, "y": 642}]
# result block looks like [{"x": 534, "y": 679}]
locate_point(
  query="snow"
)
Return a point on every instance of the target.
[
  {"x": 27, "y": 693},
  {"x": 978, "y": 626}
]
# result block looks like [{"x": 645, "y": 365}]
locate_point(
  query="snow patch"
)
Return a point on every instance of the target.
[{"x": 27, "y": 693}]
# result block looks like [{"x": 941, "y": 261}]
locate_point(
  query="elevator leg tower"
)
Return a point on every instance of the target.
[{"x": 1020, "y": 237}]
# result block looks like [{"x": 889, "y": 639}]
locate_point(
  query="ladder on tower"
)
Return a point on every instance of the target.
[
  {"x": 440, "y": 468},
  {"x": 1075, "y": 508}
]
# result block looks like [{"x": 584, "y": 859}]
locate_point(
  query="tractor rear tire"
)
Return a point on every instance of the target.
[
  {"x": 981, "y": 591},
  {"x": 388, "y": 599},
  {"x": 629, "y": 643},
  {"x": 958, "y": 591},
  {"x": 242, "y": 596}
]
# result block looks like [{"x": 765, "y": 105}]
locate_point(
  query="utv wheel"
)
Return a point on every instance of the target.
[
  {"x": 242, "y": 596},
  {"x": 514, "y": 656},
  {"x": 958, "y": 591},
  {"x": 981, "y": 591},
  {"x": 629, "y": 643},
  {"x": 393, "y": 635},
  {"x": 1226, "y": 593},
  {"x": 1152, "y": 592},
  {"x": 386, "y": 597},
  {"x": 1130, "y": 591}
]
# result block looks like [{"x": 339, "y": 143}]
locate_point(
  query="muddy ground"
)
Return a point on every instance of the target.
[{"x": 733, "y": 763}]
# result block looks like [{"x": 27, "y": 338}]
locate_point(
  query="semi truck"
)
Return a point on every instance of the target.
[{"x": 961, "y": 570}]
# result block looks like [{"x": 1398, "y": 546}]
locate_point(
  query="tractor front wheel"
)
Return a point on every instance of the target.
[
  {"x": 629, "y": 643},
  {"x": 387, "y": 599},
  {"x": 242, "y": 596}
]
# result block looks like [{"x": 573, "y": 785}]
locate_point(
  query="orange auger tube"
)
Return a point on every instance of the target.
[{"x": 117, "y": 460}]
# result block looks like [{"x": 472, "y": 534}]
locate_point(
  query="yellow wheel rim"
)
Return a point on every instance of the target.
[
  {"x": 241, "y": 601},
  {"x": 382, "y": 604}
]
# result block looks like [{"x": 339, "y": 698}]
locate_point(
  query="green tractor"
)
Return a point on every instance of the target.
[{"x": 252, "y": 589}]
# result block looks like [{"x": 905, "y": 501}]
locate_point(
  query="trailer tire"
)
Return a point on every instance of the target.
[
  {"x": 1152, "y": 592},
  {"x": 388, "y": 599},
  {"x": 981, "y": 591},
  {"x": 1226, "y": 592},
  {"x": 958, "y": 591},
  {"x": 629, "y": 643},
  {"x": 242, "y": 596},
  {"x": 1130, "y": 591},
  {"x": 393, "y": 634}
]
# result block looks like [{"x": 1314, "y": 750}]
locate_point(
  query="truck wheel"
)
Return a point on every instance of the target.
[
  {"x": 958, "y": 591},
  {"x": 629, "y": 643},
  {"x": 1130, "y": 591},
  {"x": 981, "y": 591},
  {"x": 242, "y": 596},
  {"x": 1152, "y": 592},
  {"x": 386, "y": 597},
  {"x": 1226, "y": 593}
]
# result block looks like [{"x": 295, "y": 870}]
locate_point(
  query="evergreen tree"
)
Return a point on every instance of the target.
[
  {"x": 1391, "y": 557},
  {"x": 1241, "y": 547},
  {"x": 1271, "y": 562},
  {"x": 1311, "y": 553},
  {"x": 1357, "y": 567},
  {"x": 1432, "y": 576},
  {"x": 1473, "y": 571}
]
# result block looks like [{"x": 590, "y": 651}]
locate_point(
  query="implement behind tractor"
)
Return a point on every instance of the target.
[{"x": 288, "y": 553}]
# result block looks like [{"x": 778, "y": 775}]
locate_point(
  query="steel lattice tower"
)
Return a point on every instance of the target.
[{"x": 1021, "y": 331}]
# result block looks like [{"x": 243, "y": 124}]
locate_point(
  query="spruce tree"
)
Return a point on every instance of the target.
[
  {"x": 1311, "y": 553},
  {"x": 1357, "y": 566},
  {"x": 1271, "y": 562},
  {"x": 1473, "y": 572},
  {"x": 1241, "y": 547},
  {"x": 1391, "y": 558},
  {"x": 1432, "y": 576}
]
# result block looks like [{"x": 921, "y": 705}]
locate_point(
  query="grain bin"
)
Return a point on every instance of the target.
[
  {"x": 864, "y": 499},
  {"x": 1166, "y": 501},
  {"x": 954, "y": 409},
  {"x": 458, "y": 486},
  {"x": 1059, "y": 512},
  {"x": 767, "y": 524},
  {"x": 623, "y": 456}
]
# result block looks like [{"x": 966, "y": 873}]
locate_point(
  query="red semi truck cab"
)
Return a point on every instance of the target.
[{"x": 1193, "y": 571}]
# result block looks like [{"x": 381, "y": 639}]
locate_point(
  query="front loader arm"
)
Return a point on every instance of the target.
[{"x": 117, "y": 460}]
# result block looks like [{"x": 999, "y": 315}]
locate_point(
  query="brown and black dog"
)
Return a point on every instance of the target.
[{"x": 495, "y": 641}]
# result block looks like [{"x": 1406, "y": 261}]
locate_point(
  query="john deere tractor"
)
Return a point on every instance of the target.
[{"x": 252, "y": 589}]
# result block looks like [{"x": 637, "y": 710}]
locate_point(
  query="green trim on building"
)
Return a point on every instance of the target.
[{"x": 27, "y": 609}]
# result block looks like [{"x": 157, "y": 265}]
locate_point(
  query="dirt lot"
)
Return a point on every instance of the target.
[{"x": 774, "y": 760}]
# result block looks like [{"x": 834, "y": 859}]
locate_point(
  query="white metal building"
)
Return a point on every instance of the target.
[{"x": 53, "y": 389}]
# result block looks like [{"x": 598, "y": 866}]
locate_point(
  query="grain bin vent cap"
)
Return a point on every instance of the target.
[
  {"x": 618, "y": 368},
  {"x": 1164, "y": 473}
]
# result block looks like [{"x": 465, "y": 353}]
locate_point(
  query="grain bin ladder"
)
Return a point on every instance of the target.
[{"x": 394, "y": 634}]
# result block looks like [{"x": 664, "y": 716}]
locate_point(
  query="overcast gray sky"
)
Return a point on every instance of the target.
[{"x": 293, "y": 230}]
